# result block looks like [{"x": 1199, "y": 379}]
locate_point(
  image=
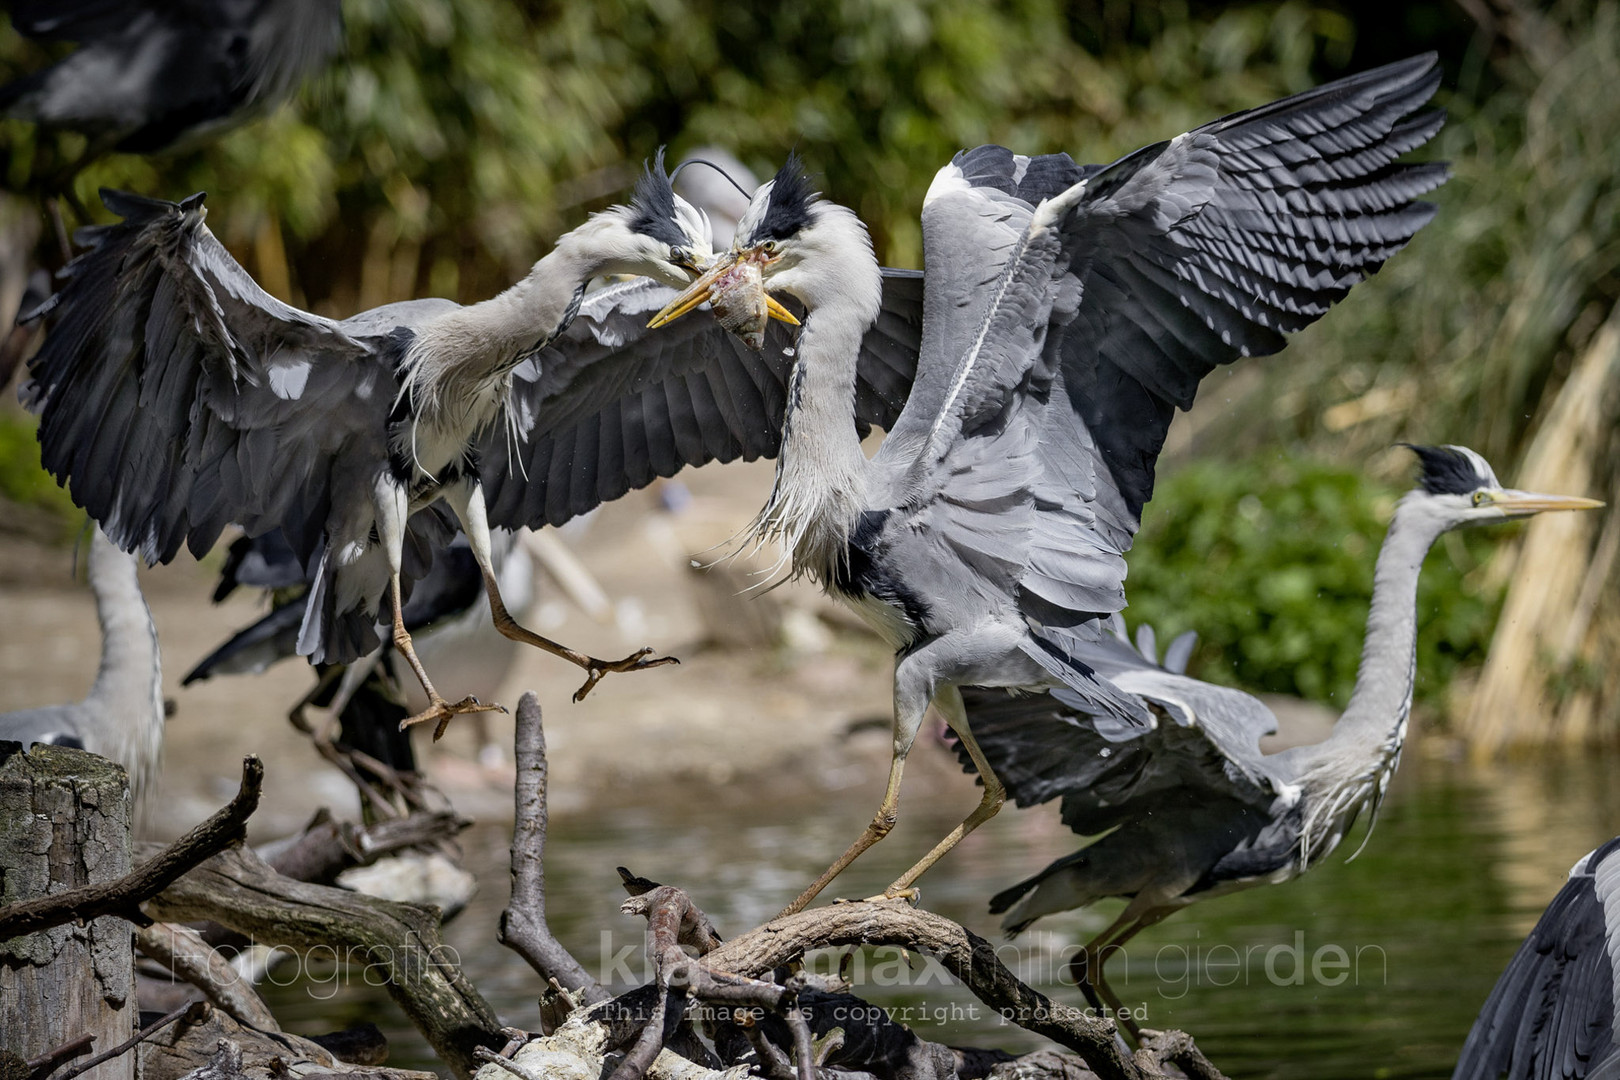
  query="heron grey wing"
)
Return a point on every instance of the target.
[
  {"x": 1049, "y": 745},
  {"x": 176, "y": 396},
  {"x": 1194, "y": 252},
  {"x": 1126, "y": 289},
  {"x": 611, "y": 405},
  {"x": 1552, "y": 1011}
]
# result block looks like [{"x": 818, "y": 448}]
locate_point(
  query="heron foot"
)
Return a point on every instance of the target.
[
  {"x": 441, "y": 711},
  {"x": 637, "y": 661},
  {"x": 911, "y": 895}
]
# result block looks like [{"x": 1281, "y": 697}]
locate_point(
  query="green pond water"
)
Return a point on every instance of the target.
[{"x": 1371, "y": 968}]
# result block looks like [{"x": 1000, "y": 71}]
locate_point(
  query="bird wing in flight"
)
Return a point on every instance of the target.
[
  {"x": 1552, "y": 1013},
  {"x": 176, "y": 396},
  {"x": 611, "y": 405},
  {"x": 1062, "y": 334}
]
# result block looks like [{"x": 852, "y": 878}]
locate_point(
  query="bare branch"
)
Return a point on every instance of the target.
[
  {"x": 328, "y": 847},
  {"x": 48, "y": 1062},
  {"x": 191, "y": 959},
  {"x": 523, "y": 927},
  {"x": 962, "y": 952},
  {"x": 398, "y": 942},
  {"x": 193, "y": 1011},
  {"x": 123, "y": 897}
]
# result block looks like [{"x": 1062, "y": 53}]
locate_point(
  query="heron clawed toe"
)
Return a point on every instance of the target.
[
  {"x": 441, "y": 712},
  {"x": 596, "y": 670}
]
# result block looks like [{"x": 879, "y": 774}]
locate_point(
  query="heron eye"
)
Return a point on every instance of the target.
[
  {"x": 768, "y": 247},
  {"x": 1480, "y": 498}
]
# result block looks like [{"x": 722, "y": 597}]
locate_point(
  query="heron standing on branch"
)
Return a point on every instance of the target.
[
  {"x": 1068, "y": 311},
  {"x": 1191, "y": 809}
]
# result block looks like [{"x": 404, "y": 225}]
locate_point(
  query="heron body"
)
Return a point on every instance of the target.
[
  {"x": 1068, "y": 311},
  {"x": 176, "y": 396},
  {"x": 1554, "y": 1013},
  {"x": 1191, "y": 809},
  {"x": 122, "y": 716},
  {"x": 166, "y": 358}
]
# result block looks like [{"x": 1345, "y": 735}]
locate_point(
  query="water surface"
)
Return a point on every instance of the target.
[{"x": 1374, "y": 967}]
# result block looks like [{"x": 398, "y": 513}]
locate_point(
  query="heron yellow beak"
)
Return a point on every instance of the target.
[
  {"x": 1525, "y": 503},
  {"x": 698, "y": 292}
]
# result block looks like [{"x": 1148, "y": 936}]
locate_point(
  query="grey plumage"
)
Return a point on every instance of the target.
[
  {"x": 1553, "y": 1013},
  {"x": 148, "y": 75},
  {"x": 122, "y": 716},
  {"x": 177, "y": 397},
  {"x": 1190, "y": 808},
  {"x": 1068, "y": 311}
]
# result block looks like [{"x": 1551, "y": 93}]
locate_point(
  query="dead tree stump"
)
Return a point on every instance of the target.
[{"x": 64, "y": 822}]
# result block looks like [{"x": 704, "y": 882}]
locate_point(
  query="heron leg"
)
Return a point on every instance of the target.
[
  {"x": 392, "y": 507},
  {"x": 883, "y": 821},
  {"x": 949, "y": 702},
  {"x": 439, "y": 711},
  {"x": 1087, "y": 968},
  {"x": 912, "y": 690},
  {"x": 467, "y": 499}
]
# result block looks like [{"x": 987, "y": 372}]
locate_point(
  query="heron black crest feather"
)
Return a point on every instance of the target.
[
  {"x": 1446, "y": 471},
  {"x": 652, "y": 207},
  {"x": 788, "y": 210}
]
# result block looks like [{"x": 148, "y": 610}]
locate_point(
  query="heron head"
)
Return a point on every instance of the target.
[
  {"x": 1460, "y": 488},
  {"x": 789, "y": 240},
  {"x": 659, "y": 235}
]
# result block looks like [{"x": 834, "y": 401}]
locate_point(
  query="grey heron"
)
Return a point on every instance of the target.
[
  {"x": 1554, "y": 1013},
  {"x": 1191, "y": 809},
  {"x": 1068, "y": 311},
  {"x": 122, "y": 716},
  {"x": 176, "y": 396},
  {"x": 151, "y": 74}
]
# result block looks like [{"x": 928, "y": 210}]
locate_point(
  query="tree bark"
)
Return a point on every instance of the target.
[
  {"x": 64, "y": 823},
  {"x": 399, "y": 942}
]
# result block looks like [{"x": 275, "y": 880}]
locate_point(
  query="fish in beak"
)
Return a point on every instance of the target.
[{"x": 734, "y": 287}]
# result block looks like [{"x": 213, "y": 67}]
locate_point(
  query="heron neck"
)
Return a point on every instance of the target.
[
  {"x": 820, "y": 487},
  {"x": 1351, "y": 766},
  {"x": 536, "y": 308},
  {"x": 458, "y": 367},
  {"x": 128, "y": 690}
]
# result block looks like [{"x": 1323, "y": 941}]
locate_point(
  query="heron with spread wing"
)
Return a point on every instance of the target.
[
  {"x": 1068, "y": 311},
  {"x": 1191, "y": 809},
  {"x": 176, "y": 397}
]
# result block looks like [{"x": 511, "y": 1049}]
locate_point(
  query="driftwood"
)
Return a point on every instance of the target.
[
  {"x": 192, "y": 1012},
  {"x": 759, "y": 1022},
  {"x": 399, "y": 941},
  {"x": 523, "y": 927},
  {"x": 190, "y": 959},
  {"x": 182, "y": 1049},
  {"x": 124, "y": 896},
  {"x": 327, "y": 847}
]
